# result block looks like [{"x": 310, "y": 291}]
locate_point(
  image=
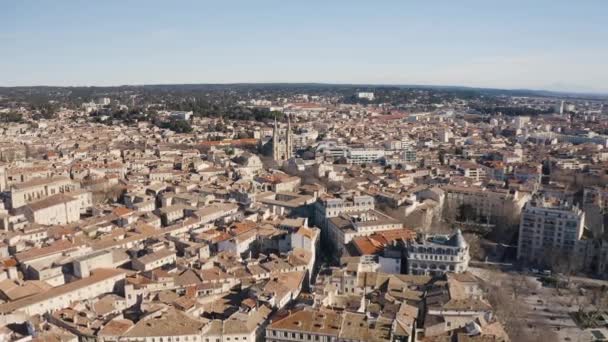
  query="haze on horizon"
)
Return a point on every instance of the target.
[{"x": 551, "y": 45}]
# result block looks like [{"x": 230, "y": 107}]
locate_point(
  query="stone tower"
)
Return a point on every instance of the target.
[{"x": 282, "y": 141}]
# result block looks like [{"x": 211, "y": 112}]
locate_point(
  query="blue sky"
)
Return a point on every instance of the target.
[{"x": 540, "y": 44}]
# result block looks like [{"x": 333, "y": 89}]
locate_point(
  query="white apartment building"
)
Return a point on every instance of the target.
[
  {"x": 366, "y": 95},
  {"x": 331, "y": 149},
  {"x": 549, "y": 226},
  {"x": 364, "y": 155}
]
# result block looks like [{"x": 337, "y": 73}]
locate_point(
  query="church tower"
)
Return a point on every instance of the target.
[
  {"x": 275, "y": 140},
  {"x": 282, "y": 142},
  {"x": 289, "y": 137}
]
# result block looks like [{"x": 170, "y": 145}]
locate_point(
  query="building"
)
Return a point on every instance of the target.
[
  {"x": 55, "y": 209},
  {"x": 366, "y": 95},
  {"x": 101, "y": 281},
  {"x": 282, "y": 144},
  {"x": 549, "y": 228},
  {"x": 490, "y": 204},
  {"x": 328, "y": 325},
  {"x": 154, "y": 260},
  {"x": 364, "y": 155},
  {"x": 346, "y": 226},
  {"x": 327, "y": 207},
  {"x": 181, "y": 115},
  {"x": 438, "y": 254},
  {"x": 37, "y": 189}
]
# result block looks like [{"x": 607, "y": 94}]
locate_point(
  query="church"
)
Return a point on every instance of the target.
[{"x": 281, "y": 144}]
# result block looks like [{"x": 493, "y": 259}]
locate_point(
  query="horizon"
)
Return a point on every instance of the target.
[
  {"x": 543, "y": 46},
  {"x": 370, "y": 85}
]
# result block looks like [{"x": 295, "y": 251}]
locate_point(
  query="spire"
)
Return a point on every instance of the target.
[
  {"x": 275, "y": 139},
  {"x": 288, "y": 137}
]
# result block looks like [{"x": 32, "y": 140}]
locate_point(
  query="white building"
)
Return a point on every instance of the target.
[
  {"x": 366, "y": 95},
  {"x": 364, "y": 155},
  {"x": 38, "y": 189},
  {"x": 438, "y": 254},
  {"x": 327, "y": 207},
  {"x": 181, "y": 115},
  {"x": 550, "y": 227},
  {"x": 56, "y": 209},
  {"x": 154, "y": 260},
  {"x": 101, "y": 281}
]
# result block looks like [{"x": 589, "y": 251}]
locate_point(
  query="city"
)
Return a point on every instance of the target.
[{"x": 207, "y": 210}]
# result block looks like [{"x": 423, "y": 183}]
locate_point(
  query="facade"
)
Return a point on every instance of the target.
[
  {"x": 366, "y": 95},
  {"x": 328, "y": 207},
  {"x": 101, "y": 281},
  {"x": 550, "y": 227},
  {"x": 438, "y": 255},
  {"x": 38, "y": 189},
  {"x": 56, "y": 209},
  {"x": 343, "y": 228},
  {"x": 492, "y": 204},
  {"x": 364, "y": 155},
  {"x": 282, "y": 144},
  {"x": 154, "y": 260}
]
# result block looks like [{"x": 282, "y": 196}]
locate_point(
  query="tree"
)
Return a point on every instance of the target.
[
  {"x": 466, "y": 212},
  {"x": 11, "y": 117},
  {"x": 178, "y": 126},
  {"x": 504, "y": 298}
]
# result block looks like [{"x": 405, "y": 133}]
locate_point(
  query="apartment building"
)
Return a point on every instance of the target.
[
  {"x": 491, "y": 204},
  {"x": 472, "y": 170},
  {"x": 550, "y": 226},
  {"x": 364, "y": 155}
]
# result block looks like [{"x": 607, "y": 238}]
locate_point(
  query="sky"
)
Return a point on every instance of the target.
[{"x": 533, "y": 44}]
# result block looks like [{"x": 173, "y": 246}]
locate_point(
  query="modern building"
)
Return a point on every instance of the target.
[
  {"x": 364, "y": 155},
  {"x": 549, "y": 227},
  {"x": 366, "y": 95}
]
